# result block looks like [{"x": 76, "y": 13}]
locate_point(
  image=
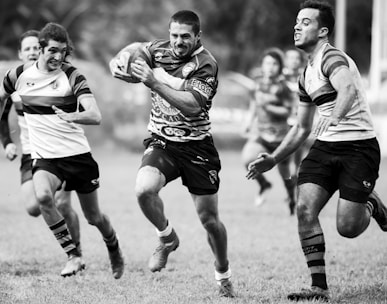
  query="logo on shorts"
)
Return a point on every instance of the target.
[
  {"x": 367, "y": 184},
  {"x": 213, "y": 175},
  {"x": 95, "y": 182}
]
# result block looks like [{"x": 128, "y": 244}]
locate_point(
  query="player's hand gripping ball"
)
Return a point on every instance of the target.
[{"x": 130, "y": 54}]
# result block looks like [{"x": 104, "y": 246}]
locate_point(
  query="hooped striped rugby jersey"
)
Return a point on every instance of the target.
[
  {"x": 315, "y": 87},
  {"x": 198, "y": 74},
  {"x": 50, "y": 136}
]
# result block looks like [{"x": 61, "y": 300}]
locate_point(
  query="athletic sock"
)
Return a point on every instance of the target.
[
  {"x": 371, "y": 208},
  {"x": 63, "y": 237},
  {"x": 313, "y": 246},
  {"x": 220, "y": 276},
  {"x": 290, "y": 185},
  {"x": 168, "y": 235},
  {"x": 111, "y": 242}
]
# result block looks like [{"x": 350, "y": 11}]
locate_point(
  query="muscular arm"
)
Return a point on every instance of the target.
[
  {"x": 90, "y": 116},
  {"x": 3, "y": 98},
  {"x": 183, "y": 100},
  {"x": 295, "y": 137},
  {"x": 5, "y": 135},
  {"x": 342, "y": 82},
  {"x": 297, "y": 134}
]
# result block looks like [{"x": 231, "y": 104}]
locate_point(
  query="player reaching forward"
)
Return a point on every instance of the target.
[
  {"x": 52, "y": 92},
  {"x": 344, "y": 157}
]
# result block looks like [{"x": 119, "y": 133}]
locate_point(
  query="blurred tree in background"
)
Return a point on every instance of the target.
[{"x": 236, "y": 32}]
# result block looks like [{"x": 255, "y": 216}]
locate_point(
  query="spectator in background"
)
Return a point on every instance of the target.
[{"x": 267, "y": 124}]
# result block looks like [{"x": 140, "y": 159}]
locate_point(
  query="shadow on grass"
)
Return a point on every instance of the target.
[
  {"x": 376, "y": 293},
  {"x": 22, "y": 268}
]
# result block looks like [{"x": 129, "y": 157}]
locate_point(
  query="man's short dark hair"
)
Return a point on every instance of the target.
[
  {"x": 56, "y": 32},
  {"x": 187, "y": 17},
  {"x": 30, "y": 33},
  {"x": 277, "y": 54},
  {"x": 326, "y": 16}
]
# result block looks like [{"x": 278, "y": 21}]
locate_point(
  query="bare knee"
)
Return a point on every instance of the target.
[
  {"x": 209, "y": 220},
  {"x": 45, "y": 199},
  {"x": 149, "y": 181},
  {"x": 33, "y": 210},
  {"x": 347, "y": 228},
  {"x": 95, "y": 219}
]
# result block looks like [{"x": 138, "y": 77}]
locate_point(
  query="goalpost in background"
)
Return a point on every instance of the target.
[{"x": 378, "y": 67}]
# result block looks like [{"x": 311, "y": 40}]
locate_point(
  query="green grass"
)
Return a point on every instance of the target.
[{"x": 264, "y": 250}]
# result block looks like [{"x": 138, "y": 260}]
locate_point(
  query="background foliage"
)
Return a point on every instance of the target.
[{"x": 235, "y": 31}]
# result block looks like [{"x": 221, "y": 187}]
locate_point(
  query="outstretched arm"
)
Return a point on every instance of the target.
[
  {"x": 295, "y": 137},
  {"x": 90, "y": 116}
]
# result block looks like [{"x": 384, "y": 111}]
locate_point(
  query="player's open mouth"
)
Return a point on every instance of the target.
[{"x": 297, "y": 36}]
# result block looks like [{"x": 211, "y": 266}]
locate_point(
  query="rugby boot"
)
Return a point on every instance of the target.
[
  {"x": 313, "y": 293},
  {"x": 74, "y": 264},
  {"x": 117, "y": 263},
  {"x": 225, "y": 289},
  {"x": 380, "y": 210},
  {"x": 159, "y": 258}
]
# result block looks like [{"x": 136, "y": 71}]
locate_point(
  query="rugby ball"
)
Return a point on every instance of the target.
[{"x": 130, "y": 54}]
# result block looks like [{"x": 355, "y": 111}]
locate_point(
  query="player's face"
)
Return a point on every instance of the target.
[
  {"x": 307, "y": 29},
  {"x": 293, "y": 60},
  {"x": 29, "y": 49},
  {"x": 183, "y": 40},
  {"x": 270, "y": 67},
  {"x": 53, "y": 55}
]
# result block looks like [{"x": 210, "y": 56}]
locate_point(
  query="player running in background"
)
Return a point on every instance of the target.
[
  {"x": 294, "y": 66},
  {"x": 345, "y": 155},
  {"x": 182, "y": 84},
  {"x": 29, "y": 51},
  {"x": 52, "y": 92},
  {"x": 267, "y": 124}
]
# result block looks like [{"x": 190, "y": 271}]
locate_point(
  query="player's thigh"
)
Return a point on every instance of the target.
[
  {"x": 63, "y": 198},
  {"x": 349, "y": 213},
  {"x": 156, "y": 170},
  {"x": 311, "y": 199},
  {"x": 206, "y": 205},
  {"x": 250, "y": 151},
  {"x": 89, "y": 204}
]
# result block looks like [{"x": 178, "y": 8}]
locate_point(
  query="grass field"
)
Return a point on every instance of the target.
[{"x": 264, "y": 250}]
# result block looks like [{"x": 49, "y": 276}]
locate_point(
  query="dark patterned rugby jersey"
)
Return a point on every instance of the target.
[
  {"x": 315, "y": 87},
  {"x": 196, "y": 73}
]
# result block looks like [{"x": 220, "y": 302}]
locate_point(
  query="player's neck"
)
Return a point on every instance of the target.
[{"x": 316, "y": 49}]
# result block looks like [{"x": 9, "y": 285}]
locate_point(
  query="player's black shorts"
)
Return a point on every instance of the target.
[
  {"x": 80, "y": 172},
  {"x": 25, "y": 168},
  {"x": 196, "y": 162},
  {"x": 348, "y": 166}
]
